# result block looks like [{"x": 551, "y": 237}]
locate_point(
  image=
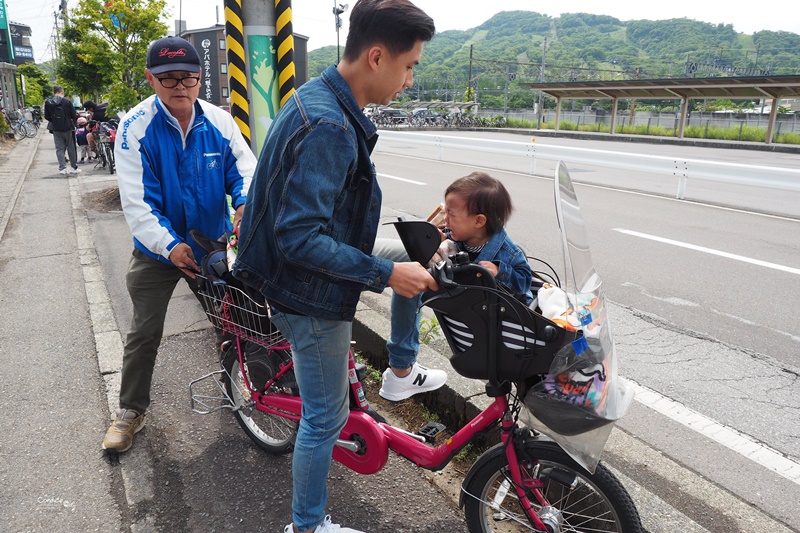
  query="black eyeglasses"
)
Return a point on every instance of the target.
[{"x": 171, "y": 83}]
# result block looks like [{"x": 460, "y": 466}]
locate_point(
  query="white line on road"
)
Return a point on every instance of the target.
[
  {"x": 728, "y": 437},
  {"x": 710, "y": 251},
  {"x": 401, "y": 179}
]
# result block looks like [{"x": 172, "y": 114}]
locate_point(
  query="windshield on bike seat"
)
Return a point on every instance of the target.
[{"x": 581, "y": 397}]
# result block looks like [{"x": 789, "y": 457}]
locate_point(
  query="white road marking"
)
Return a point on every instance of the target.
[
  {"x": 711, "y": 251},
  {"x": 728, "y": 437},
  {"x": 401, "y": 179}
]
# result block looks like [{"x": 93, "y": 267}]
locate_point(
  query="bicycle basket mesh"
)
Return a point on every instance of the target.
[{"x": 232, "y": 310}]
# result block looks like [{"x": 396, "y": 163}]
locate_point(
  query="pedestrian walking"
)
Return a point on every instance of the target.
[{"x": 61, "y": 114}]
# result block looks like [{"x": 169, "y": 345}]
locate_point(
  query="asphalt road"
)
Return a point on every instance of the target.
[{"x": 702, "y": 294}]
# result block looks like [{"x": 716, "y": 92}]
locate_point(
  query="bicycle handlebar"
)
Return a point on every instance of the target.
[{"x": 445, "y": 274}]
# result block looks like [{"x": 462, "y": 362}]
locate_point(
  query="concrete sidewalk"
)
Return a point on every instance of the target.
[{"x": 52, "y": 473}]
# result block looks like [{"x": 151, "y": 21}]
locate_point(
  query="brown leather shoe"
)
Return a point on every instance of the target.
[{"x": 119, "y": 436}]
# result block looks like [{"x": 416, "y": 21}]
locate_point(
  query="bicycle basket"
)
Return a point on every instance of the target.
[
  {"x": 494, "y": 336},
  {"x": 234, "y": 311}
]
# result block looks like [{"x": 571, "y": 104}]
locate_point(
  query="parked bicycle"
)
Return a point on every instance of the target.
[
  {"x": 527, "y": 482},
  {"x": 105, "y": 134},
  {"x": 22, "y": 128},
  {"x": 33, "y": 114}
]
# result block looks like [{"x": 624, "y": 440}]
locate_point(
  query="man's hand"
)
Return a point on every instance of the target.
[
  {"x": 410, "y": 279},
  {"x": 237, "y": 218},
  {"x": 183, "y": 258}
]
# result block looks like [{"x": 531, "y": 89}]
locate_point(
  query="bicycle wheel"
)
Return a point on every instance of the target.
[
  {"x": 101, "y": 154},
  {"x": 271, "y": 433},
  {"x": 19, "y": 131},
  {"x": 110, "y": 157},
  {"x": 594, "y": 502},
  {"x": 30, "y": 129}
]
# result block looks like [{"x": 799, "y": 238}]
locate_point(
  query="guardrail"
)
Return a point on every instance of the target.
[{"x": 684, "y": 169}]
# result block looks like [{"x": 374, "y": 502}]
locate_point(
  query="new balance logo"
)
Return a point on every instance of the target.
[{"x": 420, "y": 379}]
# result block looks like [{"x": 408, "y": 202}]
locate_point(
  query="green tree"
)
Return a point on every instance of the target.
[
  {"x": 111, "y": 37},
  {"x": 37, "y": 86},
  {"x": 76, "y": 73}
]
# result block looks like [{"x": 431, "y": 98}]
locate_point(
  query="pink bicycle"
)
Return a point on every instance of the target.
[{"x": 526, "y": 482}]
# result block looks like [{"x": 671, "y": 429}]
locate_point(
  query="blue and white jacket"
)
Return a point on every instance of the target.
[{"x": 170, "y": 183}]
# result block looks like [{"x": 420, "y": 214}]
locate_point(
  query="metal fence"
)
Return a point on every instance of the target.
[
  {"x": 785, "y": 123},
  {"x": 451, "y": 148}
]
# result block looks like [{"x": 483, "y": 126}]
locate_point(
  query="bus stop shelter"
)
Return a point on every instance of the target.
[{"x": 747, "y": 87}]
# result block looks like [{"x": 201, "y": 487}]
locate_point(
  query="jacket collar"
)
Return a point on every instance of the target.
[
  {"x": 491, "y": 248},
  {"x": 198, "y": 117},
  {"x": 344, "y": 94}
]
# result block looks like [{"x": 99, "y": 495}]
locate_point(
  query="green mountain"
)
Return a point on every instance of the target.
[{"x": 581, "y": 46}]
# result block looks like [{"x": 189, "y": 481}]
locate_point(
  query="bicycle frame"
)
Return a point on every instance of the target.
[{"x": 364, "y": 443}]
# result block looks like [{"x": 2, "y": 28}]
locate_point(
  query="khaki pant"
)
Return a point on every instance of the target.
[{"x": 150, "y": 285}]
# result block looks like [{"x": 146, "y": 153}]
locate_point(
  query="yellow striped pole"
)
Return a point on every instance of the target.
[
  {"x": 237, "y": 77},
  {"x": 286, "y": 70}
]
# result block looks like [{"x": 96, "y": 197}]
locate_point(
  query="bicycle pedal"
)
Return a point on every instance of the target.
[{"x": 432, "y": 431}]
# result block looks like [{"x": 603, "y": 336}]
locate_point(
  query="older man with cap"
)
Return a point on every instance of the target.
[{"x": 178, "y": 158}]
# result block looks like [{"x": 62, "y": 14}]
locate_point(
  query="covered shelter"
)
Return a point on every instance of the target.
[{"x": 746, "y": 87}]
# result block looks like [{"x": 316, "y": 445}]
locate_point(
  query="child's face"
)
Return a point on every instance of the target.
[{"x": 464, "y": 227}]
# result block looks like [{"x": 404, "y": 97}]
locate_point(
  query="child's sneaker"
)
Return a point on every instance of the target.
[
  {"x": 326, "y": 527},
  {"x": 81, "y": 162},
  {"x": 420, "y": 379}
]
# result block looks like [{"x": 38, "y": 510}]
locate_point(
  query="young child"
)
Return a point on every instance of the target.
[
  {"x": 477, "y": 208},
  {"x": 83, "y": 143}
]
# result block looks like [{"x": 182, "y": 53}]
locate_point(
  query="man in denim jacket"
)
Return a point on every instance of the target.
[{"x": 310, "y": 222}]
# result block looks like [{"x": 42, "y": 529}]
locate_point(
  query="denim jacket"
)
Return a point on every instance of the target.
[
  {"x": 311, "y": 216},
  {"x": 513, "y": 270}
]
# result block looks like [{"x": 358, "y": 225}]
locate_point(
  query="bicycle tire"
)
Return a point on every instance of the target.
[
  {"x": 30, "y": 129},
  {"x": 19, "y": 131},
  {"x": 598, "y": 502},
  {"x": 271, "y": 433},
  {"x": 110, "y": 157},
  {"x": 101, "y": 152}
]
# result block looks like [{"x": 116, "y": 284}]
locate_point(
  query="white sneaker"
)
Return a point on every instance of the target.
[
  {"x": 326, "y": 527},
  {"x": 420, "y": 379},
  {"x": 74, "y": 170},
  {"x": 63, "y": 171}
]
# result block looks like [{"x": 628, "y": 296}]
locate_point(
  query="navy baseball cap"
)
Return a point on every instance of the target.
[{"x": 172, "y": 53}]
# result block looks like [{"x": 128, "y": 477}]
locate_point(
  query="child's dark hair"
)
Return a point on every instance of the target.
[
  {"x": 484, "y": 195},
  {"x": 396, "y": 24}
]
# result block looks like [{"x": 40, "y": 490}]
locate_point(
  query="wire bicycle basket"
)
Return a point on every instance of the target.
[{"x": 234, "y": 311}]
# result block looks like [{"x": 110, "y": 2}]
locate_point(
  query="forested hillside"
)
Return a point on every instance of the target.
[{"x": 581, "y": 46}]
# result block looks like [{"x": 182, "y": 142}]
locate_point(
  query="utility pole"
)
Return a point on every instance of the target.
[
  {"x": 540, "y": 111},
  {"x": 337, "y": 11}
]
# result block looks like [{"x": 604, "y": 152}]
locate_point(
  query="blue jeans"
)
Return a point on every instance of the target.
[
  {"x": 320, "y": 351},
  {"x": 403, "y": 344}
]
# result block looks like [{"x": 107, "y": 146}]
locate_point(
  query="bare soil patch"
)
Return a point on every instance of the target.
[{"x": 103, "y": 200}]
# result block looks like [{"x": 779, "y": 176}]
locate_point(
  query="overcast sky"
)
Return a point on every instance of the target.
[{"x": 314, "y": 18}]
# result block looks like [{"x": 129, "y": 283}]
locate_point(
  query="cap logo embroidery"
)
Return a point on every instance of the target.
[{"x": 166, "y": 52}]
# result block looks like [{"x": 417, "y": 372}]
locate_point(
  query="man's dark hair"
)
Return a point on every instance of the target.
[
  {"x": 89, "y": 105},
  {"x": 57, "y": 89},
  {"x": 484, "y": 195},
  {"x": 395, "y": 24}
]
